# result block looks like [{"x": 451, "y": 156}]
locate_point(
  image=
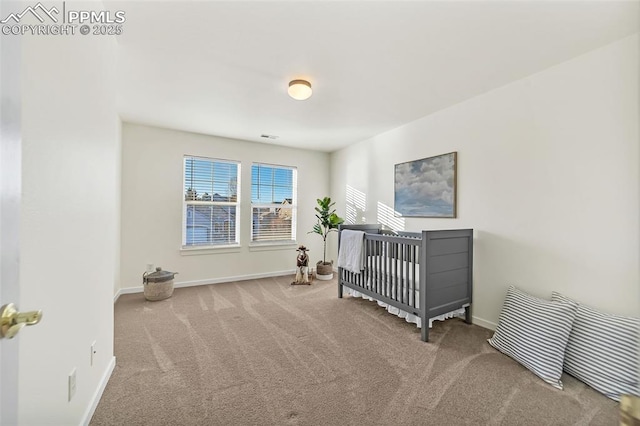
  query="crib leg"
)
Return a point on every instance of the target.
[
  {"x": 339, "y": 290},
  {"x": 425, "y": 331},
  {"x": 467, "y": 315}
]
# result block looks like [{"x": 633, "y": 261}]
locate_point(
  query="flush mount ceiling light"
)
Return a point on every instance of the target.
[{"x": 300, "y": 89}]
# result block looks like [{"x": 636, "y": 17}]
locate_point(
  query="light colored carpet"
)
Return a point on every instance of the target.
[{"x": 264, "y": 352}]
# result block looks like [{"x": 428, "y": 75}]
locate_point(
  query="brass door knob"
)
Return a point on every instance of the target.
[{"x": 12, "y": 321}]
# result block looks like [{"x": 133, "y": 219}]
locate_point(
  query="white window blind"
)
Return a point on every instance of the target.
[
  {"x": 211, "y": 197},
  {"x": 273, "y": 203}
]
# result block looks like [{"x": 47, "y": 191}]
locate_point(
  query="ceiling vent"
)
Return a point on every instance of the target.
[{"x": 273, "y": 137}]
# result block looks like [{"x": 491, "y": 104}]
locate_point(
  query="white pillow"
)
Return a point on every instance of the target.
[
  {"x": 535, "y": 332},
  {"x": 603, "y": 350}
]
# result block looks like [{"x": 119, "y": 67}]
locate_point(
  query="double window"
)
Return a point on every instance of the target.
[
  {"x": 211, "y": 214},
  {"x": 211, "y": 197}
]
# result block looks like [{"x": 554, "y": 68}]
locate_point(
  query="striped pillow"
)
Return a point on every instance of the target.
[
  {"x": 535, "y": 332},
  {"x": 603, "y": 351}
]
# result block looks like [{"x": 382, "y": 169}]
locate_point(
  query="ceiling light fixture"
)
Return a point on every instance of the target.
[{"x": 300, "y": 89}]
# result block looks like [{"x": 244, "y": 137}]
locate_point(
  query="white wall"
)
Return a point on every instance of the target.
[
  {"x": 152, "y": 194},
  {"x": 69, "y": 223},
  {"x": 547, "y": 177}
]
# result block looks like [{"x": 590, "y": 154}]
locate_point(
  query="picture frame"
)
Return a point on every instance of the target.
[{"x": 426, "y": 187}]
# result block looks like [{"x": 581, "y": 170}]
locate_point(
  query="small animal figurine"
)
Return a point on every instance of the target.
[{"x": 302, "y": 262}]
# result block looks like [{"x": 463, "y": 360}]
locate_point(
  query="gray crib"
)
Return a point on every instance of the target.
[{"x": 441, "y": 262}]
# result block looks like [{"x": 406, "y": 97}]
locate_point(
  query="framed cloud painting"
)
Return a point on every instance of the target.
[{"x": 426, "y": 187}]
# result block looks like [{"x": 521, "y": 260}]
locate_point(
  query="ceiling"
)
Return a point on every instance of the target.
[{"x": 222, "y": 68}]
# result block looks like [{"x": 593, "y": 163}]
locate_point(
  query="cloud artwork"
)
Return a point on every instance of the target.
[{"x": 426, "y": 187}]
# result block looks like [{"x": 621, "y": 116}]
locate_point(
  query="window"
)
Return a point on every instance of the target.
[
  {"x": 273, "y": 203},
  {"x": 211, "y": 196}
]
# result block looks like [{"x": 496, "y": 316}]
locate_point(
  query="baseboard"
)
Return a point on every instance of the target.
[
  {"x": 130, "y": 290},
  {"x": 98, "y": 394},
  {"x": 232, "y": 279},
  {"x": 181, "y": 284},
  {"x": 117, "y": 295},
  {"x": 484, "y": 323}
]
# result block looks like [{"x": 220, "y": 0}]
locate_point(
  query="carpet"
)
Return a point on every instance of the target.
[{"x": 263, "y": 352}]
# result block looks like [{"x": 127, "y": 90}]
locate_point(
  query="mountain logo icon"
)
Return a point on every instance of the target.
[{"x": 34, "y": 11}]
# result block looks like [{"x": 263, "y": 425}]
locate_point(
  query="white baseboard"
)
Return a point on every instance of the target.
[
  {"x": 232, "y": 279},
  {"x": 484, "y": 323},
  {"x": 98, "y": 394},
  {"x": 129, "y": 290},
  {"x": 181, "y": 284}
]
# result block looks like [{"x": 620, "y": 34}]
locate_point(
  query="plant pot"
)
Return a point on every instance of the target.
[{"x": 324, "y": 270}]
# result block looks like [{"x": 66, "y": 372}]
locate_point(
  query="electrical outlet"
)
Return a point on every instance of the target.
[
  {"x": 93, "y": 353},
  {"x": 72, "y": 383}
]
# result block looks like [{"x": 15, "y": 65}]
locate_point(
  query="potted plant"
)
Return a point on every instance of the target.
[{"x": 328, "y": 221}]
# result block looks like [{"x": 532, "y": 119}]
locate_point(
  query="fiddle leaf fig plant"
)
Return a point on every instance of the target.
[{"x": 328, "y": 221}]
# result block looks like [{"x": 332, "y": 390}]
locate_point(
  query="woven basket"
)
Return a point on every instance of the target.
[
  {"x": 158, "y": 285},
  {"x": 158, "y": 291}
]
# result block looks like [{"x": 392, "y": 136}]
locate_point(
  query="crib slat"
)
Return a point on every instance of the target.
[
  {"x": 391, "y": 275},
  {"x": 372, "y": 264},
  {"x": 390, "y": 271},
  {"x": 392, "y": 287},
  {"x": 378, "y": 266},
  {"x": 381, "y": 269},
  {"x": 409, "y": 271},
  {"x": 413, "y": 275},
  {"x": 395, "y": 271},
  {"x": 383, "y": 283},
  {"x": 399, "y": 273},
  {"x": 380, "y": 275},
  {"x": 387, "y": 271},
  {"x": 367, "y": 256},
  {"x": 385, "y": 262},
  {"x": 405, "y": 280}
]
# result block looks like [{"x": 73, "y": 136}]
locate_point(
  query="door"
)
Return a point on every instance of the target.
[{"x": 10, "y": 179}]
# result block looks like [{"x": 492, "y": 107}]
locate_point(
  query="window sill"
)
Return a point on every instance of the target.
[
  {"x": 275, "y": 245},
  {"x": 196, "y": 251}
]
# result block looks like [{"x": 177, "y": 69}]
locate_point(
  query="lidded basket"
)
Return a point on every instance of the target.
[{"x": 158, "y": 285}]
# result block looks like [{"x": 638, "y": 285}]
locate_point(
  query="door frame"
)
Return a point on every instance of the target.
[{"x": 10, "y": 199}]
